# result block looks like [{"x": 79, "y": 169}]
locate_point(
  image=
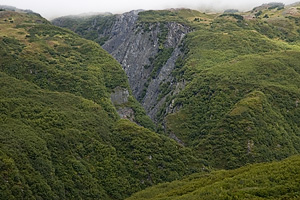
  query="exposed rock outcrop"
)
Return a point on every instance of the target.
[
  {"x": 135, "y": 45},
  {"x": 119, "y": 96},
  {"x": 126, "y": 113},
  {"x": 147, "y": 52}
]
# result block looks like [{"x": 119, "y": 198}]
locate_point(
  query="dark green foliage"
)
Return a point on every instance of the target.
[
  {"x": 156, "y": 64},
  {"x": 164, "y": 89},
  {"x": 160, "y": 60},
  {"x": 91, "y": 28},
  {"x": 283, "y": 28},
  {"x": 279, "y": 6},
  {"x": 197, "y": 19},
  {"x": 57, "y": 145},
  {"x": 140, "y": 115},
  {"x": 101, "y": 41},
  {"x": 210, "y": 56},
  {"x": 236, "y": 16},
  {"x": 163, "y": 33},
  {"x": 67, "y": 64},
  {"x": 239, "y": 105},
  {"x": 152, "y": 158},
  {"x": 177, "y": 15},
  {"x": 279, "y": 23},
  {"x": 231, "y": 11},
  {"x": 258, "y": 13},
  {"x": 277, "y": 180},
  {"x": 47, "y": 136},
  {"x": 232, "y": 66},
  {"x": 59, "y": 128},
  {"x": 220, "y": 110}
]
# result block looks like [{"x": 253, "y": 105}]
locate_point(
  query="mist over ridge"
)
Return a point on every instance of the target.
[{"x": 55, "y": 8}]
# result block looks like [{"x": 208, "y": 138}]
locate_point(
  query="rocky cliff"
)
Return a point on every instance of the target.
[
  {"x": 136, "y": 45},
  {"x": 147, "y": 52}
]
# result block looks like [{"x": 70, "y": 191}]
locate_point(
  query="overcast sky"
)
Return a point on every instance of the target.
[{"x": 54, "y": 8}]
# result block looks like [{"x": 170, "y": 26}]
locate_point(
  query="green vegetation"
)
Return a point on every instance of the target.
[
  {"x": 236, "y": 16},
  {"x": 276, "y": 21},
  {"x": 231, "y": 11},
  {"x": 65, "y": 64},
  {"x": 224, "y": 71},
  {"x": 276, "y": 180},
  {"x": 164, "y": 89},
  {"x": 157, "y": 63},
  {"x": 153, "y": 158},
  {"x": 182, "y": 16},
  {"x": 239, "y": 104},
  {"x": 160, "y": 60},
  {"x": 233, "y": 64},
  {"x": 49, "y": 143},
  {"x": 61, "y": 137},
  {"x": 91, "y": 27}
]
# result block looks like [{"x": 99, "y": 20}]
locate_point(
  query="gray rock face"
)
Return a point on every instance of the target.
[
  {"x": 133, "y": 45},
  {"x": 126, "y": 113},
  {"x": 119, "y": 96},
  {"x": 147, "y": 52}
]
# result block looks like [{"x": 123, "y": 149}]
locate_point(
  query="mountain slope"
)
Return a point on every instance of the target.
[
  {"x": 146, "y": 50},
  {"x": 231, "y": 92},
  {"x": 67, "y": 64},
  {"x": 243, "y": 111},
  {"x": 276, "y": 180},
  {"x": 241, "y": 101},
  {"x": 61, "y": 134}
]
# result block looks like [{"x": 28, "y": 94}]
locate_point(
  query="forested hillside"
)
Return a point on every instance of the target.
[
  {"x": 275, "y": 180},
  {"x": 61, "y": 133},
  {"x": 232, "y": 94},
  {"x": 198, "y": 93}
]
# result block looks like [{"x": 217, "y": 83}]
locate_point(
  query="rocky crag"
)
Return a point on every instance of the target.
[{"x": 146, "y": 51}]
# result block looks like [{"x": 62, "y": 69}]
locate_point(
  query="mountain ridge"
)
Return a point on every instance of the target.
[
  {"x": 59, "y": 120},
  {"x": 228, "y": 92},
  {"x": 215, "y": 71}
]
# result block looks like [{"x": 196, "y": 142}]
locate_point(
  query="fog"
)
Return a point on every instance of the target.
[{"x": 55, "y": 8}]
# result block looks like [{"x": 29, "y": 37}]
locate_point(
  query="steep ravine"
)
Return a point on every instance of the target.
[
  {"x": 134, "y": 44},
  {"x": 147, "y": 53}
]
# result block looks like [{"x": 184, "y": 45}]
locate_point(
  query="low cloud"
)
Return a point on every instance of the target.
[{"x": 55, "y": 8}]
